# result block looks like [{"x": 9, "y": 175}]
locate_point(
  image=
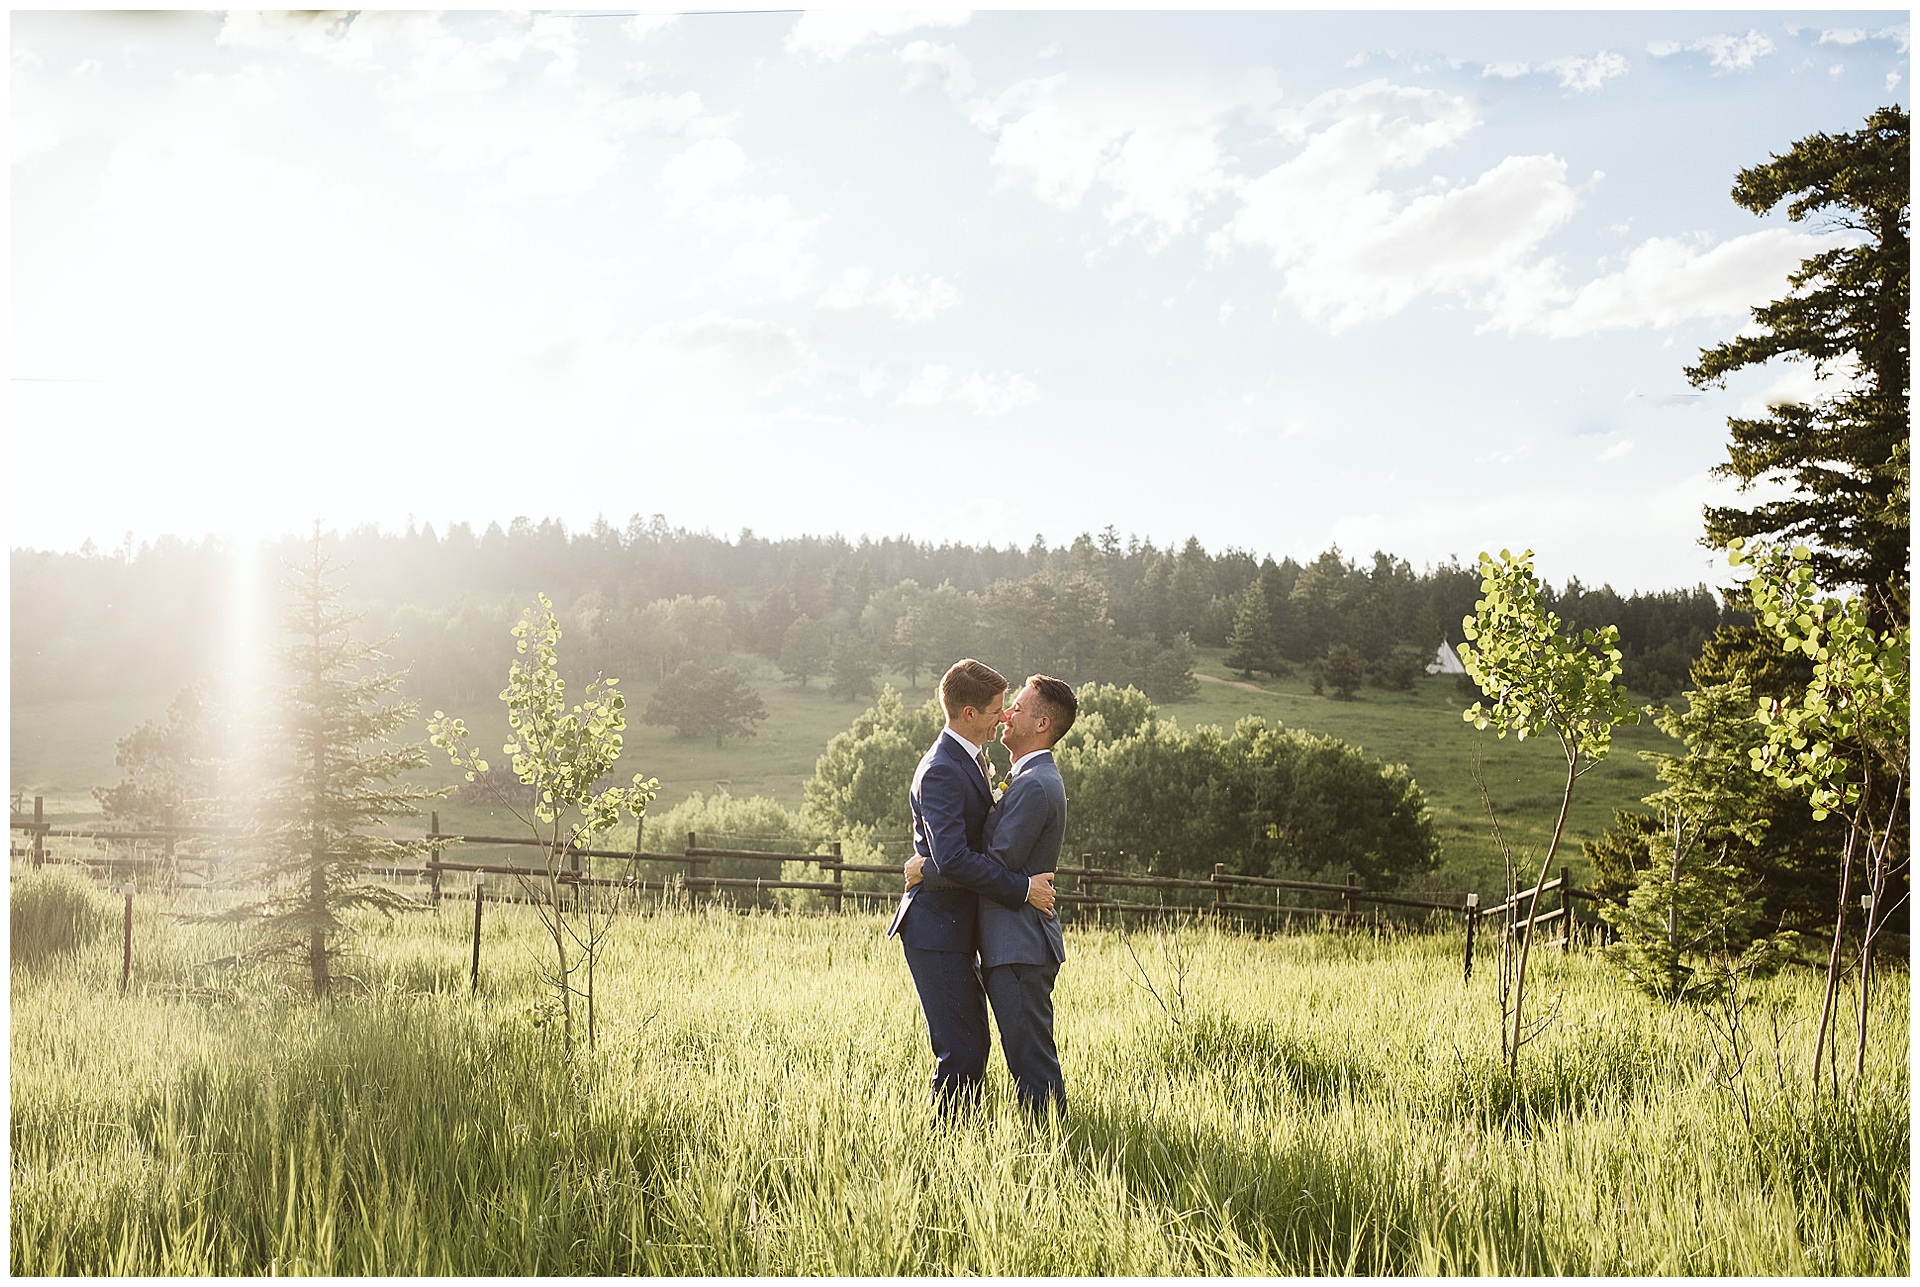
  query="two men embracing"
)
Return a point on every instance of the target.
[{"x": 977, "y": 921}]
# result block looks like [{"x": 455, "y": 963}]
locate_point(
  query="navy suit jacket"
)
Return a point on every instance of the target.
[
  {"x": 1024, "y": 835},
  {"x": 950, "y": 803}
]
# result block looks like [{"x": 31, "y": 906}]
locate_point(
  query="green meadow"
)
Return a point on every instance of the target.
[
  {"x": 1328, "y": 1103},
  {"x": 62, "y": 749}
]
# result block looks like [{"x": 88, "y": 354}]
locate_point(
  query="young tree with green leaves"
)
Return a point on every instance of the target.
[
  {"x": 1845, "y": 741},
  {"x": 1846, "y": 454},
  {"x": 1537, "y": 679},
  {"x": 561, "y": 753},
  {"x": 335, "y": 779}
]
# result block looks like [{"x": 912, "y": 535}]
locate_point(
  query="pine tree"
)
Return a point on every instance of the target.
[
  {"x": 335, "y": 783},
  {"x": 1847, "y": 454},
  {"x": 699, "y": 702},
  {"x": 806, "y": 649},
  {"x": 1250, "y": 642},
  {"x": 171, "y": 767}
]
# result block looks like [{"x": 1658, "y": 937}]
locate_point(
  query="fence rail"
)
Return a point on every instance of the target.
[{"x": 1079, "y": 891}]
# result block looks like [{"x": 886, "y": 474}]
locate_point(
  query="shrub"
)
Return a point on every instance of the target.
[
  {"x": 1400, "y": 669},
  {"x": 52, "y": 912}
]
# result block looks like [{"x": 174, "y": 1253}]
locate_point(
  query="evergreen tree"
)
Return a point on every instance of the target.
[
  {"x": 1847, "y": 454},
  {"x": 701, "y": 702},
  {"x": 1319, "y": 602},
  {"x": 336, "y": 784},
  {"x": 1692, "y": 908},
  {"x": 805, "y": 651},
  {"x": 1344, "y": 670},
  {"x": 171, "y": 768},
  {"x": 852, "y": 669},
  {"x": 770, "y": 623},
  {"x": 1250, "y": 642},
  {"x": 1276, "y": 582}
]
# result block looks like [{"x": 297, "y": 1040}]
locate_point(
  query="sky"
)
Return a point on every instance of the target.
[{"x": 1421, "y": 282}]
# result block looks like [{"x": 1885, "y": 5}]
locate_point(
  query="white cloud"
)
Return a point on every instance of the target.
[
  {"x": 545, "y": 149},
  {"x": 1584, "y": 75},
  {"x": 1351, "y": 248},
  {"x": 906, "y": 301},
  {"x": 694, "y": 176},
  {"x": 1618, "y": 451},
  {"x": 644, "y": 26},
  {"x": 1843, "y": 36},
  {"x": 984, "y": 393},
  {"x": 1155, "y": 148},
  {"x": 1666, "y": 280},
  {"x": 1507, "y": 71},
  {"x": 1729, "y": 52},
  {"x": 769, "y": 238},
  {"x": 831, "y": 34},
  {"x": 722, "y": 350},
  {"x": 929, "y": 63}
]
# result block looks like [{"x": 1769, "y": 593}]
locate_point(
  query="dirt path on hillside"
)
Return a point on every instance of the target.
[{"x": 1255, "y": 688}]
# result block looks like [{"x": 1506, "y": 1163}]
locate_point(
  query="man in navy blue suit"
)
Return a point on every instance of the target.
[
  {"x": 937, "y": 918},
  {"x": 1021, "y": 950}
]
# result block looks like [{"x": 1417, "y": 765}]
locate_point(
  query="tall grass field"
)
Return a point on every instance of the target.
[{"x": 757, "y": 1105}]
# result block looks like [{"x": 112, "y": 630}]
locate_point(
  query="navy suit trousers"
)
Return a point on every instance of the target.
[
  {"x": 1022, "y": 997},
  {"x": 956, "y": 1011}
]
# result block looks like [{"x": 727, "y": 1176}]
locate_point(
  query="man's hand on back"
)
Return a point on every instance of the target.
[{"x": 1040, "y": 891}]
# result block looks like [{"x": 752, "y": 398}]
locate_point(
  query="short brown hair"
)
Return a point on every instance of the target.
[
  {"x": 970, "y": 683},
  {"x": 1057, "y": 702}
]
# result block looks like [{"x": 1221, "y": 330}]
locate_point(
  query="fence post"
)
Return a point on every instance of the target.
[
  {"x": 1566, "y": 912},
  {"x": 126, "y": 945},
  {"x": 1346, "y": 895},
  {"x": 433, "y": 858},
  {"x": 39, "y": 831},
  {"x": 1473, "y": 919},
  {"x": 693, "y": 843},
  {"x": 479, "y": 899},
  {"x": 1219, "y": 893},
  {"x": 839, "y": 880},
  {"x": 166, "y": 825}
]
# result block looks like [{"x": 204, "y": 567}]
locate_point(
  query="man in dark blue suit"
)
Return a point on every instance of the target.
[
  {"x": 1021, "y": 949},
  {"x": 937, "y": 918}
]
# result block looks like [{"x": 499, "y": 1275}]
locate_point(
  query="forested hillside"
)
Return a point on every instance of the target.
[{"x": 643, "y": 599}]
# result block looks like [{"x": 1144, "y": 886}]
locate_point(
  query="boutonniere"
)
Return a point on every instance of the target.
[{"x": 1000, "y": 789}]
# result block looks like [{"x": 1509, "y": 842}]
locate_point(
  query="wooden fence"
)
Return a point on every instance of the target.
[{"x": 1082, "y": 890}]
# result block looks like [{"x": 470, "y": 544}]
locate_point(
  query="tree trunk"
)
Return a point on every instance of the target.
[
  {"x": 1833, "y": 956},
  {"x": 1533, "y": 911}
]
